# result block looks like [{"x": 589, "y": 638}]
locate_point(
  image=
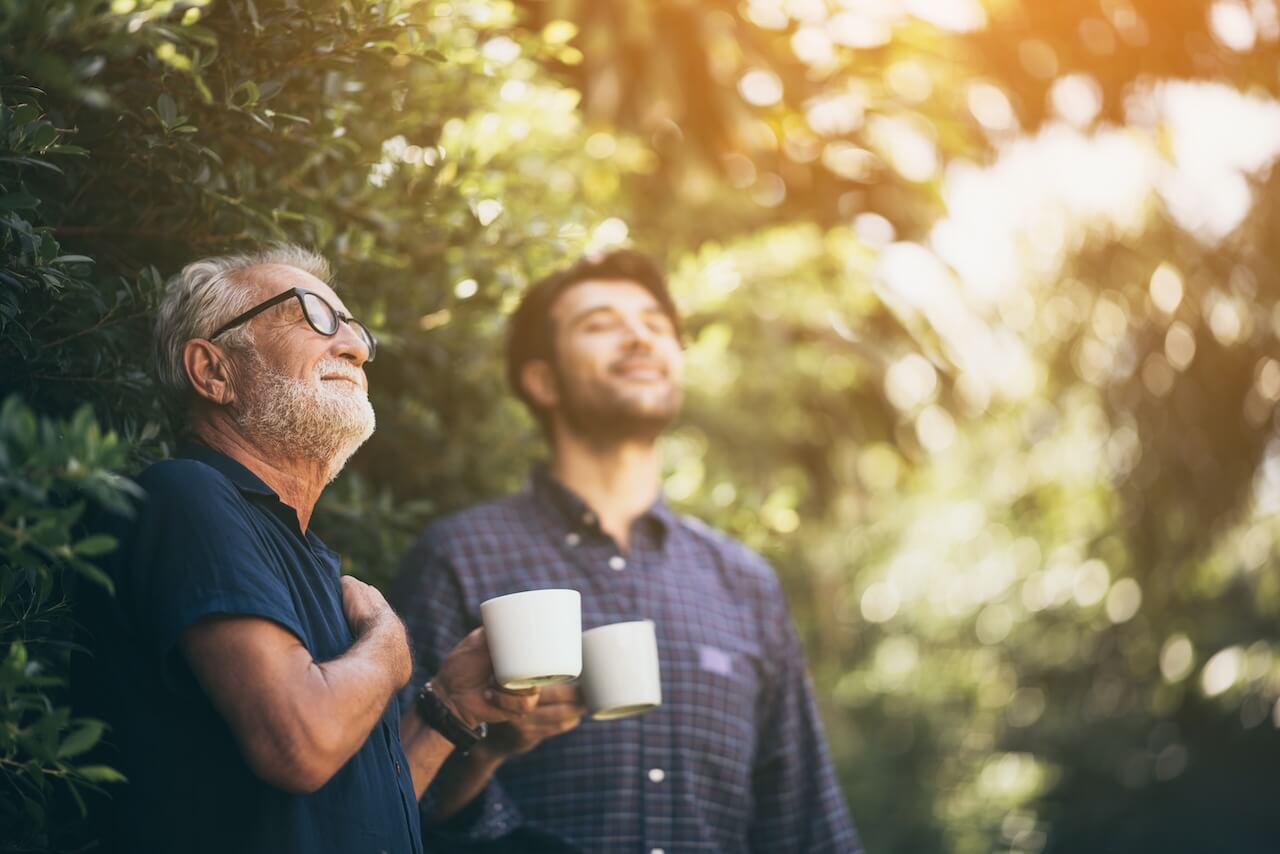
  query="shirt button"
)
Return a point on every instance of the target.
[
  {"x": 572, "y": 538},
  {"x": 398, "y": 768},
  {"x": 617, "y": 562},
  {"x": 656, "y": 851},
  {"x": 657, "y": 775}
]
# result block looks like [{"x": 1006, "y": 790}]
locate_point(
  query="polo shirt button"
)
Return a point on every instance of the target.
[
  {"x": 572, "y": 538},
  {"x": 397, "y": 766},
  {"x": 657, "y": 775},
  {"x": 617, "y": 562}
]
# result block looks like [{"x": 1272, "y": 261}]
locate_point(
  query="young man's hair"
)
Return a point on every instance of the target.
[{"x": 531, "y": 332}]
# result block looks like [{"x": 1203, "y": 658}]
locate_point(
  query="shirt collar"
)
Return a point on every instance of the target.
[
  {"x": 244, "y": 480},
  {"x": 577, "y": 514}
]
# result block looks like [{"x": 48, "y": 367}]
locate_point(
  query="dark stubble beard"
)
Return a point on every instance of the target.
[{"x": 604, "y": 417}]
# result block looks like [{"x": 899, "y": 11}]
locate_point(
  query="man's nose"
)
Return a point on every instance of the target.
[
  {"x": 638, "y": 333},
  {"x": 349, "y": 346}
]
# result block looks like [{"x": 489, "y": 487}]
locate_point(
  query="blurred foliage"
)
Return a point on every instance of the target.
[
  {"x": 983, "y": 322},
  {"x": 50, "y": 471}
]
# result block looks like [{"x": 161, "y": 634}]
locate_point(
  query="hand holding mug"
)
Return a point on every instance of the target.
[
  {"x": 465, "y": 682},
  {"x": 560, "y": 708}
]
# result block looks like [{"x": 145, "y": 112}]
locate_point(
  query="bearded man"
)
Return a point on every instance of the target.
[
  {"x": 250, "y": 686},
  {"x": 734, "y": 760}
]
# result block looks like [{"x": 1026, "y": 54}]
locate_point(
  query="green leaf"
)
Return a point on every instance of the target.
[
  {"x": 101, "y": 774},
  {"x": 167, "y": 109},
  {"x": 94, "y": 574},
  {"x": 25, "y": 114},
  {"x": 72, "y": 259},
  {"x": 18, "y": 202},
  {"x": 98, "y": 544},
  {"x": 17, "y": 659},
  {"x": 43, "y": 137},
  {"x": 81, "y": 739}
]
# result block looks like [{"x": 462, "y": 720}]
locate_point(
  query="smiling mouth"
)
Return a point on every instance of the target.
[
  {"x": 638, "y": 370},
  {"x": 351, "y": 380}
]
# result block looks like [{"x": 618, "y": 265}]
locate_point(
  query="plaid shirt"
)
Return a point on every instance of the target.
[{"x": 733, "y": 761}]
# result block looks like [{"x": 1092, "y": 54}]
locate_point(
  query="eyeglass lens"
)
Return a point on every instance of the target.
[
  {"x": 319, "y": 314},
  {"x": 324, "y": 320}
]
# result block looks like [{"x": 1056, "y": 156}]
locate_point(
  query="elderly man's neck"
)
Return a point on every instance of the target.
[
  {"x": 297, "y": 481},
  {"x": 618, "y": 480}
]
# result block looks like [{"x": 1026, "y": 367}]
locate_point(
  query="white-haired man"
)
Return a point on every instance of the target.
[{"x": 251, "y": 687}]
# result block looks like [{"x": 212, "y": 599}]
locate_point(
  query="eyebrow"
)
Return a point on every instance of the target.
[{"x": 597, "y": 309}]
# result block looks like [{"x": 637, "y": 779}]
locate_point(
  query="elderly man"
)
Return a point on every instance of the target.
[
  {"x": 734, "y": 760},
  {"x": 250, "y": 686}
]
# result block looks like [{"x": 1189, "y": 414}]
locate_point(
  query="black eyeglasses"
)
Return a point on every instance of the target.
[{"x": 322, "y": 317}]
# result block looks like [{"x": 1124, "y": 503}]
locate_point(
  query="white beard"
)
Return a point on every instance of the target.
[{"x": 315, "y": 419}]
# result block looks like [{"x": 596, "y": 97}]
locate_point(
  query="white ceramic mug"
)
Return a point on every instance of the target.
[
  {"x": 535, "y": 637},
  {"x": 620, "y": 673}
]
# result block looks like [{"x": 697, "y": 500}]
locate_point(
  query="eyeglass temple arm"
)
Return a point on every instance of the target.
[{"x": 254, "y": 312}]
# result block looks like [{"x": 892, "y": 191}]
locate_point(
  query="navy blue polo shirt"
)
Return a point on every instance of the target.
[{"x": 211, "y": 538}]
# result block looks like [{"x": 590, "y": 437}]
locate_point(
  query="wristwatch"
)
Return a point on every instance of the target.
[{"x": 436, "y": 714}]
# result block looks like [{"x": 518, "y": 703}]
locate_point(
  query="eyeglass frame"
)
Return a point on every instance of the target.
[{"x": 299, "y": 293}]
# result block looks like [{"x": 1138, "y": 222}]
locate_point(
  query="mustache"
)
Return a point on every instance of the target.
[
  {"x": 640, "y": 361},
  {"x": 337, "y": 367}
]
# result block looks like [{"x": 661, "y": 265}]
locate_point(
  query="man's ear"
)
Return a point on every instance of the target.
[
  {"x": 208, "y": 370},
  {"x": 539, "y": 382}
]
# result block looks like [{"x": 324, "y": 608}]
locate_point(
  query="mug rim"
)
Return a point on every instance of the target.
[
  {"x": 586, "y": 632},
  {"x": 524, "y": 593}
]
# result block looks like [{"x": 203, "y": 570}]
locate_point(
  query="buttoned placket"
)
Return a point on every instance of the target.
[
  {"x": 633, "y": 581},
  {"x": 644, "y": 566}
]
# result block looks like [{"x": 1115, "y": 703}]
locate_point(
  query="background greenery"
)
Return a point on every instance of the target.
[{"x": 981, "y": 356}]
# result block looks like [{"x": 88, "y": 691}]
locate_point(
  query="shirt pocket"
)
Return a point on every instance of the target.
[{"x": 716, "y": 687}]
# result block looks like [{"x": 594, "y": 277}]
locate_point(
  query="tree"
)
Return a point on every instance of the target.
[{"x": 1013, "y": 461}]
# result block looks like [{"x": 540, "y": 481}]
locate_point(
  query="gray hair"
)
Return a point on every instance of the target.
[{"x": 206, "y": 294}]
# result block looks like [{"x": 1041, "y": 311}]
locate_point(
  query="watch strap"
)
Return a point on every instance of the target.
[{"x": 436, "y": 714}]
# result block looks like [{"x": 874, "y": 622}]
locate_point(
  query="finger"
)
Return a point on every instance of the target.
[
  {"x": 551, "y": 715},
  {"x": 569, "y": 723},
  {"x": 515, "y": 705},
  {"x": 547, "y": 729},
  {"x": 565, "y": 692}
]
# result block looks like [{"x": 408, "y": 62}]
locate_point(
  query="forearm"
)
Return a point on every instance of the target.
[
  {"x": 425, "y": 749},
  {"x": 346, "y": 696},
  {"x": 462, "y": 781}
]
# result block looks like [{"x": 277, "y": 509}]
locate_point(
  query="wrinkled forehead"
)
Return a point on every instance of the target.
[{"x": 268, "y": 280}]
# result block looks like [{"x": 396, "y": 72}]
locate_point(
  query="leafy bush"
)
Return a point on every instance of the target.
[
  {"x": 50, "y": 472},
  {"x": 975, "y": 698}
]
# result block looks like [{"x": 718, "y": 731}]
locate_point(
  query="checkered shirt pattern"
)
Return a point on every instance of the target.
[{"x": 733, "y": 761}]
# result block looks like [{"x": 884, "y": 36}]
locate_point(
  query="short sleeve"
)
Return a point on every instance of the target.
[{"x": 194, "y": 554}]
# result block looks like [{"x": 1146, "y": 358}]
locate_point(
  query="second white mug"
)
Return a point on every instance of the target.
[{"x": 620, "y": 672}]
